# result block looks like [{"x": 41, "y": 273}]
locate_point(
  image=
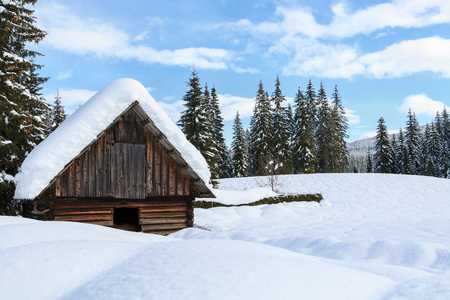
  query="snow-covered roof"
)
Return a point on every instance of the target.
[{"x": 49, "y": 158}]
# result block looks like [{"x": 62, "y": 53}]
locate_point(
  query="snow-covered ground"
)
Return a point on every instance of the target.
[{"x": 373, "y": 237}]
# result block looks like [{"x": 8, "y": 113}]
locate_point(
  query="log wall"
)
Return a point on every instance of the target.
[{"x": 156, "y": 215}]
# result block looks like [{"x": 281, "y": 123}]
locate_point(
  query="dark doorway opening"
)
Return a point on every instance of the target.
[{"x": 127, "y": 218}]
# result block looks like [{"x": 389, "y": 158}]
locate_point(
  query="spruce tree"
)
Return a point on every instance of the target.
[
  {"x": 239, "y": 149},
  {"x": 58, "y": 113},
  {"x": 395, "y": 156},
  {"x": 261, "y": 130},
  {"x": 281, "y": 150},
  {"x": 194, "y": 120},
  {"x": 369, "y": 165},
  {"x": 324, "y": 134},
  {"x": 383, "y": 150},
  {"x": 312, "y": 103},
  {"x": 413, "y": 144},
  {"x": 433, "y": 146},
  {"x": 445, "y": 125},
  {"x": 402, "y": 154},
  {"x": 444, "y": 166},
  {"x": 21, "y": 106},
  {"x": 338, "y": 128},
  {"x": 221, "y": 164},
  {"x": 304, "y": 151}
]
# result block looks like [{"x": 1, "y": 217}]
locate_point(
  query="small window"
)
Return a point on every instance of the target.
[{"x": 127, "y": 218}]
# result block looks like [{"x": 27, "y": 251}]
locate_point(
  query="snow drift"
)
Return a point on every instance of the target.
[{"x": 375, "y": 236}]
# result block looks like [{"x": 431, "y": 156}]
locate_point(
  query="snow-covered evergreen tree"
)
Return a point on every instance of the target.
[
  {"x": 369, "y": 166},
  {"x": 338, "y": 128},
  {"x": 239, "y": 149},
  {"x": 21, "y": 105},
  {"x": 402, "y": 153},
  {"x": 221, "y": 167},
  {"x": 432, "y": 146},
  {"x": 395, "y": 157},
  {"x": 312, "y": 103},
  {"x": 324, "y": 133},
  {"x": 413, "y": 144},
  {"x": 194, "y": 120},
  {"x": 281, "y": 150},
  {"x": 303, "y": 140},
  {"x": 383, "y": 150},
  {"x": 58, "y": 113},
  {"x": 261, "y": 130}
]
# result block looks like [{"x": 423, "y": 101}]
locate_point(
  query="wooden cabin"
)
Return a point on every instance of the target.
[{"x": 130, "y": 177}]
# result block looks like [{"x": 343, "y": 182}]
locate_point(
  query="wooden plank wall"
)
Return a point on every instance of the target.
[
  {"x": 156, "y": 215},
  {"x": 127, "y": 161}
]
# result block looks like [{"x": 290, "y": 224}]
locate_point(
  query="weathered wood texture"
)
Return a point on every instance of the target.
[
  {"x": 127, "y": 161},
  {"x": 155, "y": 215},
  {"x": 131, "y": 164}
]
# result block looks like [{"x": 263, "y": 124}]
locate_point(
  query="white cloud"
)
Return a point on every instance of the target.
[
  {"x": 407, "y": 57},
  {"x": 347, "y": 23},
  {"x": 71, "y": 99},
  {"x": 324, "y": 50},
  {"x": 230, "y": 104},
  {"x": 84, "y": 36},
  {"x": 341, "y": 61},
  {"x": 64, "y": 75},
  {"x": 421, "y": 104},
  {"x": 353, "y": 118},
  {"x": 173, "y": 109}
]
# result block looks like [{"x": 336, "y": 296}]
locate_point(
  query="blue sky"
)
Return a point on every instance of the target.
[{"x": 385, "y": 56}]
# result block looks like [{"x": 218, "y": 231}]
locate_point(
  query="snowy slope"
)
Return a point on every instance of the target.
[
  {"x": 374, "y": 236},
  {"x": 83, "y": 126}
]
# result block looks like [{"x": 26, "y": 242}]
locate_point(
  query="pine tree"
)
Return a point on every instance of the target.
[
  {"x": 281, "y": 152},
  {"x": 312, "y": 103},
  {"x": 402, "y": 154},
  {"x": 338, "y": 129},
  {"x": 194, "y": 120},
  {"x": 369, "y": 166},
  {"x": 433, "y": 146},
  {"x": 444, "y": 166},
  {"x": 58, "y": 114},
  {"x": 395, "y": 157},
  {"x": 304, "y": 151},
  {"x": 21, "y": 106},
  {"x": 324, "y": 135},
  {"x": 239, "y": 149},
  {"x": 445, "y": 125},
  {"x": 261, "y": 130},
  {"x": 383, "y": 150},
  {"x": 221, "y": 164},
  {"x": 413, "y": 144}
]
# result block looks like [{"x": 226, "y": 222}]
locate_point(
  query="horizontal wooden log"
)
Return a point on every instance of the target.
[
  {"x": 77, "y": 218},
  {"x": 162, "y": 221},
  {"x": 86, "y": 206},
  {"x": 58, "y": 212},
  {"x": 161, "y": 199},
  {"x": 163, "y": 208},
  {"x": 159, "y": 203},
  {"x": 163, "y": 227},
  {"x": 103, "y": 223},
  {"x": 164, "y": 214}
]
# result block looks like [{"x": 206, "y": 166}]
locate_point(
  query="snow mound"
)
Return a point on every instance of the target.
[
  {"x": 62, "y": 260},
  {"x": 83, "y": 126}
]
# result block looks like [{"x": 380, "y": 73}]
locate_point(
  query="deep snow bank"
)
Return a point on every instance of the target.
[{"x": 79, "y": 261}]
